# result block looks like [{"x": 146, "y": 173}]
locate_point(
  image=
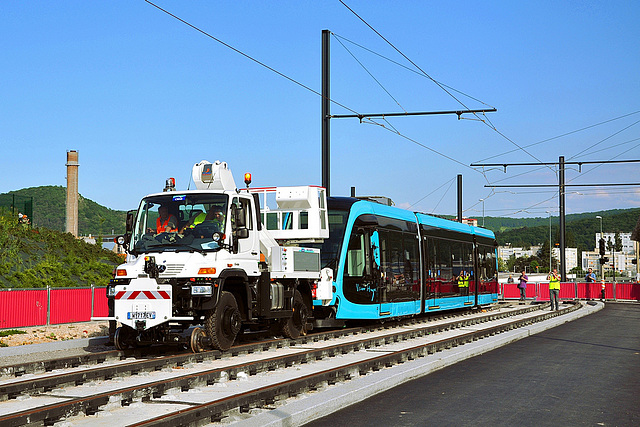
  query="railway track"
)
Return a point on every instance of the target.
[{"x": 190, "y": 389}]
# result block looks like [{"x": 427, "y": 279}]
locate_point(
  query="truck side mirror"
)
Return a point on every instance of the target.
[
  {"x": 131, "y": 216},
  {"x": 240, "y": 218},
  {"x": 242, "y": 233}
]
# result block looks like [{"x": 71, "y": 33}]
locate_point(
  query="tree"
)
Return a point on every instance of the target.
[
  {"x": 617, "y": 245},
  {"x": 609, "y": 244}
]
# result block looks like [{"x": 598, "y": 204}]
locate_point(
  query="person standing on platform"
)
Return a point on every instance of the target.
[
  {"x": 554, "y": 289},
  {"x": 590, "y": 277},
  {"x": 522, "y": 285}
]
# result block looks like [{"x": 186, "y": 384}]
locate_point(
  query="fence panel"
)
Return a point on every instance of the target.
[
  {"x": 23, "y": 308},
  {"x": 100, "y": 307},
  {"x": 628, "y": 291},
  {"x": 510, "y": 290},
  {"x": 70, "y": 305}
]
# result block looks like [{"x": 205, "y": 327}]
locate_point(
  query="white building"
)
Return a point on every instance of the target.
[
  {"x": 623, "y": 262},
  {"x": 505, "y": 252},
  {"x": 570, "y": 256}
]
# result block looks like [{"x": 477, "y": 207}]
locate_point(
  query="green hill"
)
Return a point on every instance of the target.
[
  {"x": 580, "y": 229},
  {"x": 40, "y": 257},
  {"x": 49, "y": 211}
]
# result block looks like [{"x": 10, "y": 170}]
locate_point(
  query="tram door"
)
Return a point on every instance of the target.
[
  {"x": 377, "y": 273},
  {"x": 430, "y": 273},
  {"x": 362, "y": 282}
]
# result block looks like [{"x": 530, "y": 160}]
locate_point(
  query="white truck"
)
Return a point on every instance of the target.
[{"x": 201, "y": 266}]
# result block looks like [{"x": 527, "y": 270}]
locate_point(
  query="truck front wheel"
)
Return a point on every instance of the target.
[
  {"x": 296, "y": 325},
  {"x": 223, "y": 323}
]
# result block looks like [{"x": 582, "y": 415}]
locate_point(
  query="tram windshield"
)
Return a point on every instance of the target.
[
  {"x": 178, "y": 222},
  {"x": 330, "y": 248}
]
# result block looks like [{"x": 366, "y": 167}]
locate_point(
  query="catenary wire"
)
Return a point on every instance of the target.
[
  {"x": 370, "y": 74},
  {"x": 436, "y": 82},
  {"x": 561, "y": 136},
  {"x": 295, "y": 81}
]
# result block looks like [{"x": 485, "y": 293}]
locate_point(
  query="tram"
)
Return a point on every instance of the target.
[{"x": 389, "y": 262}]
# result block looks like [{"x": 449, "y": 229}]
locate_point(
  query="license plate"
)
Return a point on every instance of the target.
[{"x": 138, "y": 315}]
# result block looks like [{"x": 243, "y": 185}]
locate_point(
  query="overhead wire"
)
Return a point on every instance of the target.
[
  {"x": 247, "y": 56},
  {"x": 415, "y": 203},
  {"x": 370, "y": 74},
  {"x": 561, "y": 136},
  {"x": 434, "y": 81},
  {"x": 295, "y": 81}
]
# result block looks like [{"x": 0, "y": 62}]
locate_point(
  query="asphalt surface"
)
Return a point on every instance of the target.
[{"x": 585, "y": 372}]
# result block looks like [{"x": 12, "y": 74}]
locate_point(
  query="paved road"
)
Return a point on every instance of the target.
[{"x": 585, "y": 372}]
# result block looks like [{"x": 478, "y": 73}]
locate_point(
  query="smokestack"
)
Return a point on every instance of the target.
[{"x": 72, "y": 192}]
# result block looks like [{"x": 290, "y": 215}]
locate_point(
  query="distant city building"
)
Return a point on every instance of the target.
[
  {"x": 570, "y": 256},
  {"x": 470, "y": 221},
  {"x": 505, "y": 252},
  {"x": 623, "y": 262}
]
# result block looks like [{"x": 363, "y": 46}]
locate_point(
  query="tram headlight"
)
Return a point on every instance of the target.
[{"x": 201, "y": 290}]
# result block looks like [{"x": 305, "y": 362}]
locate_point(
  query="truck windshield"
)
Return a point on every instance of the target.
[{"x": 180, "y": 222}]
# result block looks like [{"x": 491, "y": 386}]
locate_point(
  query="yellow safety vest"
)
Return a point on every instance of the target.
[
  {"x": 463, "y": 281},
  {"x": 554, "y": 283}
]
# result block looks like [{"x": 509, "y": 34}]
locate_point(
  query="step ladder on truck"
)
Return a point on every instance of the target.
[{"x": 207, "y": 264}]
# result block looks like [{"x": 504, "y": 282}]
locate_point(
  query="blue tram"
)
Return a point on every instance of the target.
[{"x": 389, "y": 262}]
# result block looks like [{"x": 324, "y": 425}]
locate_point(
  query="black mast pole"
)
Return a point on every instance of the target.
[{"x": 326, "y": 111}]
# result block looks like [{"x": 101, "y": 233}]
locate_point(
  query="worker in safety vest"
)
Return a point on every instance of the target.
[
  {"x": 554, "y": 289},
  {"x": 463, "y": 283},
  {"x": 214, "y": 216},
  {"x": 166, "y": 223}
]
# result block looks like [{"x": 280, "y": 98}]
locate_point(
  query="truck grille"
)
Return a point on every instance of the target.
[{"x": 172, "y": 270}]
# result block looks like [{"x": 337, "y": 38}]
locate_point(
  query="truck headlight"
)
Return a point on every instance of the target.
[{"x": 201, "y": 290}]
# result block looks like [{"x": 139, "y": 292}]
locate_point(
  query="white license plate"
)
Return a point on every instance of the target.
[{"x": 138, "y": 315}]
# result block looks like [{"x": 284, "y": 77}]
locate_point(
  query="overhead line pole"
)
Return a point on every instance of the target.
[{"x": 326, "y": 111}]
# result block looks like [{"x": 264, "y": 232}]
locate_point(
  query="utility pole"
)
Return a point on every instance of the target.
[
  {"x": 326, "y": 111},
  {"x": 563, "y": 260}
]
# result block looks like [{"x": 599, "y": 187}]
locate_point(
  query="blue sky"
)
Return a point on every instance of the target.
[{"x": 143, "y": 97}]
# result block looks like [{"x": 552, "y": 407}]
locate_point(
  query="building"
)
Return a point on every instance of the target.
[
  {"x": 505, "y": 252},
  {"x": 623, "y": 263},
  {"x": 570, "y": 256}
]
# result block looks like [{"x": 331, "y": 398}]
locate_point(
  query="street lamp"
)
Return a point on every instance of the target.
[
  {"x": 601, "y": 237},
  {"x": 482, "y": 200},
  {"x": 549, "y": 212}
]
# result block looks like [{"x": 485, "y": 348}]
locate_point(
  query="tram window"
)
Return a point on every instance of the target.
[
  {"x": 304, "y": 220},
  {"x": 487, "y": 270},
  {"x": 354, "y": 266},
  {"x": 359, "y": 285},
  {"x": 399, "y": 265}
]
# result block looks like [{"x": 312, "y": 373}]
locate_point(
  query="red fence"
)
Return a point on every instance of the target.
[
  {"x": 34, "y": 307},
  {"x": 569, "y": 290}
]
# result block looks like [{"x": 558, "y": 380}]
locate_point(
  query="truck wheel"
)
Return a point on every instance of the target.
[
  {"x": 223, "y": 323},
  {"x": 195, "y": 342},
  {"x": 296, "y": 325},
  {"x": 123, "y": 338}
]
